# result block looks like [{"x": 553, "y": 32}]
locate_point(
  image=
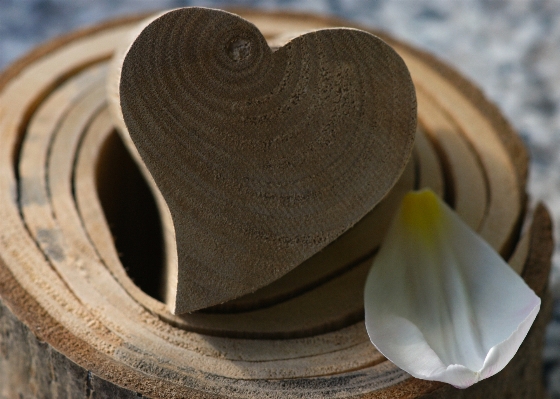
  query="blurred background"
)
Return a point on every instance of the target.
[{"x": 510, "y": 48}]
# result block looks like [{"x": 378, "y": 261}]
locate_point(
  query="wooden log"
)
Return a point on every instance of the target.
[{"x": 73, "y": 322}]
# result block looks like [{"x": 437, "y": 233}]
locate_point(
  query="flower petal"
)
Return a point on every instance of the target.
[{"x": 440, "y": 303}]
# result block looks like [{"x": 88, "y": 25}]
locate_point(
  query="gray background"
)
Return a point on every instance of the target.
[{"x": 509, "y": 48}]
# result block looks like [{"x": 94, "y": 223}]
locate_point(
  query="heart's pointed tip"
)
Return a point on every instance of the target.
[{"x": 182, "y": 308}]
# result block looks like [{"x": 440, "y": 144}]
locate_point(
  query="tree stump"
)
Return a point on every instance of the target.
[{"x": 82, "y": 250}]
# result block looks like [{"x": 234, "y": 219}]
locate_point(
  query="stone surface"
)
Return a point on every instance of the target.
[{"x": 510, "y": 49}]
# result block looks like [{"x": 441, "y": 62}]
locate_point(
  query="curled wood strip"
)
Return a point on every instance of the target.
[
  {"x": 80, "y": 305},
  {"x": 460, "y": 162}
]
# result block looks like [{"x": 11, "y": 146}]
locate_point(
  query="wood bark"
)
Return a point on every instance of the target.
[{"x": 74, "y": 322}]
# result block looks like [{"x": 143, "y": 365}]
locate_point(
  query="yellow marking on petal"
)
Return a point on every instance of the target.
[
  {"x": 420, "y": 210},
  {"x": 421, "y": 213},
  {"x": 439, "y": 302}
]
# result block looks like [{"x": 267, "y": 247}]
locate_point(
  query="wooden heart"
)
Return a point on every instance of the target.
[{"x": 263, "y": 157}]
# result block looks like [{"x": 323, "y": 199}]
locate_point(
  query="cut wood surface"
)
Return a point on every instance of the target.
[
  {"x": 262, "y": 157},
  {"x": 80, "y": 227}
]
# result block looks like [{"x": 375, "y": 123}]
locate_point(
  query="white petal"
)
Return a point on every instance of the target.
[{"x": 440, "y": 303}]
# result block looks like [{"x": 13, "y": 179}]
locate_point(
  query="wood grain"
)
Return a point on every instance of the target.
[
  {"x": 263, "y": 157},
  {"x": 74, "y": 322}
]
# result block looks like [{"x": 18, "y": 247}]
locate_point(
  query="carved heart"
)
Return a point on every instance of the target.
[{"x": 262, "y": 157}]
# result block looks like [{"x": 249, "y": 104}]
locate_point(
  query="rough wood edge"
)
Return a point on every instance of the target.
[{"x": 12, "y": 70}]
